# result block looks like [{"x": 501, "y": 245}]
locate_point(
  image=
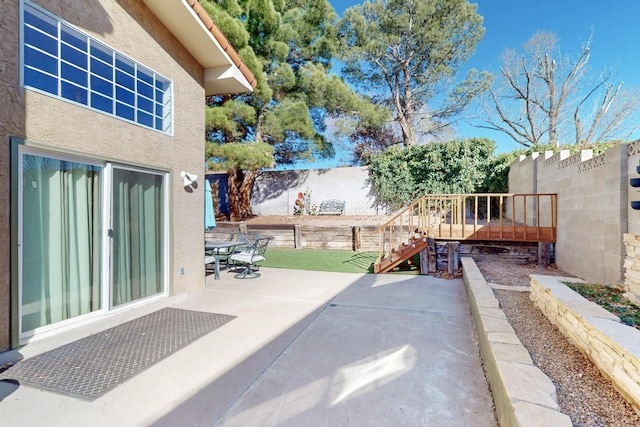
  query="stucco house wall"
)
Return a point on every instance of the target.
[
  {"x": 11, "y": 122},
  {"x": 64, "y": 125},
  {"x": 131, "y": 28}
]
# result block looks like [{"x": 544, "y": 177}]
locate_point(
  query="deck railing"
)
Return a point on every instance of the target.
[{"x": 488, "y": 216}]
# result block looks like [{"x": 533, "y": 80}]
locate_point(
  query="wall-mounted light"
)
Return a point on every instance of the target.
[{"x": 188, "y": 179}]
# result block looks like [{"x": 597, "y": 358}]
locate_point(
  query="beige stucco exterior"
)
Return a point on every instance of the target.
[{"x": 129, "y": 27}]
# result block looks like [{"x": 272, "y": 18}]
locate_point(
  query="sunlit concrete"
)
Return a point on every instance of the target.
[{"x": 306, "y": 348}]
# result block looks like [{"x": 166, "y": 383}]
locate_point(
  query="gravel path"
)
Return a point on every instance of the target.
[{"x": 583, "y": 393}]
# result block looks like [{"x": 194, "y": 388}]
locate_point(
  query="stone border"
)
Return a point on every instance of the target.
[
  {"x": 611, "y": 345},
  {"x": 523, "y": 395}
]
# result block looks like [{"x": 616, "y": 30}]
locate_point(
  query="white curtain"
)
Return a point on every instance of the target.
[
  {"x": 61, "y": 245},
  {"x": 138, "y": 235}
]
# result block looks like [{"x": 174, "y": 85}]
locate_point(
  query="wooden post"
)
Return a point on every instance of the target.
[
  {"x": 431, "y": 248},
  {"x": 452, "y": 258},
  {"x": 357, "y": 238},
  {"x": 424, "y": 261},
  {"x": 297, "y": 236},
  {"x": 544, "y": 254}
]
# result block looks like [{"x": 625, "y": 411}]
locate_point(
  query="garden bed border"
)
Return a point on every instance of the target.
[
  {"x": 612, "y": 346},
  {"x": 522, "y": 394}
]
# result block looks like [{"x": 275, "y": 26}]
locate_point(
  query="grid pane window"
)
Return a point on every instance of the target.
[
  {"x": 101, "y": 52},
  {"x": 125, "y": 64},
  {"x": 145, "y": 89},
  {"x": 74, "y": 38},
  {"x": 40, "y": 80},
  {"x": 66, "y": 63},
  {"x": 74, "y": 56},
  {"x": 101, "y": 102},
  {"x": 125, "y": 95},
  {"x": 101, "y": 69},
  {"x": 125, "y": 111},
  {"x": 145, "y": 104},
  {"x": 46, "y": 62},
  {"x": 45, "y": 42},
  {"x": 74, "y": 74},
  {"x": 74, "y": 93},
  {"x": 125, "y": 80}
]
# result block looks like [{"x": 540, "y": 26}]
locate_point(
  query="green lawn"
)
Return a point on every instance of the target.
[{"x": 325, "y": 260}]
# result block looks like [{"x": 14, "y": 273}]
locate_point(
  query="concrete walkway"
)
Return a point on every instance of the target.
[{"x": 306, "y": 348}]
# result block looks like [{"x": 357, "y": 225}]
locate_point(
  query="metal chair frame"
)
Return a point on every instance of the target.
[{"x": 249, "y": 258}]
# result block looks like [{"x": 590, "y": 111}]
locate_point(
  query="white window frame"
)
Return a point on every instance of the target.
[{"x": 161, "y": 109}]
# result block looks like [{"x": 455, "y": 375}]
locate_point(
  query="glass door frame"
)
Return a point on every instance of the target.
[
  {"x": 18, "y": 149},
  {"x": 42, "y": 331},
  {"x": 107, "y": 249}
]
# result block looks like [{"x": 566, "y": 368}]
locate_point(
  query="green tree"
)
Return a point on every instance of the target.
[
  {"x": 400, "y": 175},
  {"x": 405, "y": 54},
  {"x": 288, "y": 45}
]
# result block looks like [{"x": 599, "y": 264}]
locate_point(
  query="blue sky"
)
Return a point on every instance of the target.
[{"x": 509, "y": 23}]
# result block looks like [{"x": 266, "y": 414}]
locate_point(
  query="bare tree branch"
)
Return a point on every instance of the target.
[{"x": 540, "y": 89}]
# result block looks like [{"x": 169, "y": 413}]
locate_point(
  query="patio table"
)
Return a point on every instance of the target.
[{"x": 212, "y": 248}]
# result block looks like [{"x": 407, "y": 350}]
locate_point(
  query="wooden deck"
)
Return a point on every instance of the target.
[
  {"x": 512, "y": 217},
  {"x": 517, "y": 233}
]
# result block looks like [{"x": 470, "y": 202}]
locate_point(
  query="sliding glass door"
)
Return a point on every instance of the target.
[
  {"x": 137, "y": 235},
  {"x": 92, "y": 237},
  {"x": 61, "y": 205}
]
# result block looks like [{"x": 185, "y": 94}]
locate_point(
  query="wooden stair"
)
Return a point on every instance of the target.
[
  {"x": 400, "y": 254},
  {"x": 471, "y": 217}
]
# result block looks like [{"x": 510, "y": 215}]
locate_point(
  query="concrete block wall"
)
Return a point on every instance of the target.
[
  {"x": 633, "y": 153},
  {"x": 523, "y": 179},
  {"x": 275, "y": 192},
  {"x": 591, "y": 209},
  {"x": 612, "y": 346}
]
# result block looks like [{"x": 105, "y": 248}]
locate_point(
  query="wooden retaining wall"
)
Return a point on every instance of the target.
[
  {"x": 343, "y": 237},
  {"x": 361, "y": 238}
]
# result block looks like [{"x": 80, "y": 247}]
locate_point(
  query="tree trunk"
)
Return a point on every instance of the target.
[
  {"x": 234, "y": 180},
  {"x": 240, "y": 184},
  {"x": 245, "y": 193},
  {"x": 408, "y": 136}
]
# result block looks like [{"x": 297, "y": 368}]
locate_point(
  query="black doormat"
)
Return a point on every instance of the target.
[{"x": 92, "y": 366}]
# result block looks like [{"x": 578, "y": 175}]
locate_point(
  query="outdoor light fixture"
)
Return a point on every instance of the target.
[{"x": 188, "y": 178}]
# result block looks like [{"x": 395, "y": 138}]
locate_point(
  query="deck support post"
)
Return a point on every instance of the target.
[
  {"x": 544, "y": 254},
  {"x": 424, "y": 261},
  {"x": 431, "y": 248},
  {"x": 452, "y": 257}
]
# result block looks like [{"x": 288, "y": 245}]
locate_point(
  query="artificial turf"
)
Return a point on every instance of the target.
[{"x": 324, "y": 260}]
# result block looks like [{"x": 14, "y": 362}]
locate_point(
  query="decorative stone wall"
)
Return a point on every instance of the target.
[
  {"x": 632, "y": 266},
  {"x": 612, "y": 346}
]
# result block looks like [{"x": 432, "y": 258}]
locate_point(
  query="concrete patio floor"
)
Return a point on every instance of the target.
[{"x": 306, "y": 348}]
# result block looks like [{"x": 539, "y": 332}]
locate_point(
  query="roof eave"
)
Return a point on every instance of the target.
[{"x": 225, "y": 73}]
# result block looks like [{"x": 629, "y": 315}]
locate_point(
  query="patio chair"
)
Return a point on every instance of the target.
[
  {"x": 247, "y": 260},
  {"x": 243, "y": 240}
]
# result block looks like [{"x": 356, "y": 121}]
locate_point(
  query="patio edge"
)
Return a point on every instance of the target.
[{"x": 523, "y": 395}]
